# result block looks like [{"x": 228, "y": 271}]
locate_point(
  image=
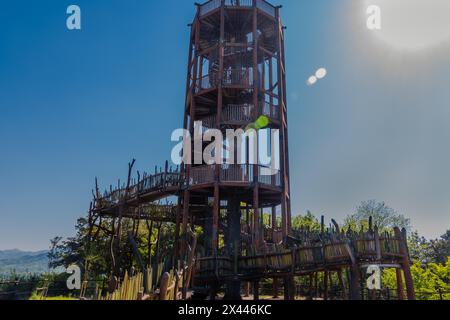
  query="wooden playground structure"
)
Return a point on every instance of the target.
[{"x": 236, "y": 75}]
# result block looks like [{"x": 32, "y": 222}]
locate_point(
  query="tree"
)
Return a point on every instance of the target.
[
  {"x": 419, "y": 248},
  {"x": 75, "y": 250},
  {"x": 440, "y": 248},
  {"x": 307, "y": 222},
  {"x": 65, "y": 252},
  {"x": 431, "y": 282},
  {"x": 383, "y": 216}
]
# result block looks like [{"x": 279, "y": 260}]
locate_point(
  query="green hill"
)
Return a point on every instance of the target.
[{"x": 23, "y": 262}]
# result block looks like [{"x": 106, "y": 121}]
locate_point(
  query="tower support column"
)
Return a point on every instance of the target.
[{"x": 233, "y": 244}]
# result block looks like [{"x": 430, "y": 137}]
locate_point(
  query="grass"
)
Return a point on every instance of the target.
[{"x": 59, "y": 298}]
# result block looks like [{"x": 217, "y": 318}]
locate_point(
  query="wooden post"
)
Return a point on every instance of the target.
[
  {"x": 164, "y": 285},
  {"x": 355, "y": 279},
  {"x": 284, "y": 152},
  {"x": 216, "y": 215},
  {"x": 274, "y": 223},
  {"x": 91, "y": 223},
  {"x": 247, "y": 289},
  {"x": 342, "y": 285},
  {"x": 116, "y": 248},
  {"x": 311, "y": 286},
  {"x": 139, "y": 258},
  {"x": 185, "y": 222},
  {"x": 275, "y": 288},
  {"x": 256, "y": 290},
  {"x": 176, "y": 256},
  {"x": 221, "y": 66},
  {"x": 400, "y": 290},
  {"x": 256, "y": 236},
  {"x": 289, "y": 288},
  {"x": 410, "y": 291},
  {"x": 316, "y": 284},
  {"x": 158, "y": 242},
  {"x": 111, "y": 249},
  {"x": 255, "y": 60},
  {"x": 233, "y": 286},
  {"x": 190, "y": 267}
]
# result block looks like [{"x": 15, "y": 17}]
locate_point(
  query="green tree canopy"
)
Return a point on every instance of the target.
[
  {"x": 439, "y": 249},
  {"x": 308, "y": 222},
  {"x": 382, "y": 216},
  {"x": 431, "y": 282}
]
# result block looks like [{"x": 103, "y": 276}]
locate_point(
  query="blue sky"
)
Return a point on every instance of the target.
[{"x": 80, "y": 104}]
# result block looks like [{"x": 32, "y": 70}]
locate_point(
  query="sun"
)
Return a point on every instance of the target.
[{"x": 413, "y": 24}]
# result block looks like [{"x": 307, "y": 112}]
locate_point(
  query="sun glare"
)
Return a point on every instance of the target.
[{"x": 413, "y": 24}]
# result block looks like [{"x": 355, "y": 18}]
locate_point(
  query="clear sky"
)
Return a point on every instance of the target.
[{"x": 80, "y": 104}]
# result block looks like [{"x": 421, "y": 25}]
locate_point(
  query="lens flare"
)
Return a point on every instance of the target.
[
  {"x": 311, "y": 81},
  {"x": 321, "y": 73}
]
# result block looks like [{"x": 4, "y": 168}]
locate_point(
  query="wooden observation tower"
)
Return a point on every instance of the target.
[
  {"x": 236, "y": 75},
  {"x": 240, "y": 210}
]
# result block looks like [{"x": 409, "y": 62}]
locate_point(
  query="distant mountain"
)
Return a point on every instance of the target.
[{"x": 23, "y": 262}]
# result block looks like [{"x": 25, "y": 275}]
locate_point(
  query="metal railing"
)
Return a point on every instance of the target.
[
  {"x": 270, "y": 111},
  {"x": 238, "y": 77},
  {"x": 159, "y": 181},
  {"x": 231, "y": 77},
  {"x": 272, "y": 179},
  {"x": 231, "y": 39},
  {"x": 239, "y": 3},
  {"x": 236, "y": 173},
  {"x": 232, "y": 173},
  {"x": 209, "y": 81},
  {"x": 212, "y": 5},
  {"x": 266, "y": 7},
  {"x": 148, "y": 184},
  {"x": 201, "y": 175},
  {"x": 208, "y": 122},
  {"x": 238, "y": 113}
]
